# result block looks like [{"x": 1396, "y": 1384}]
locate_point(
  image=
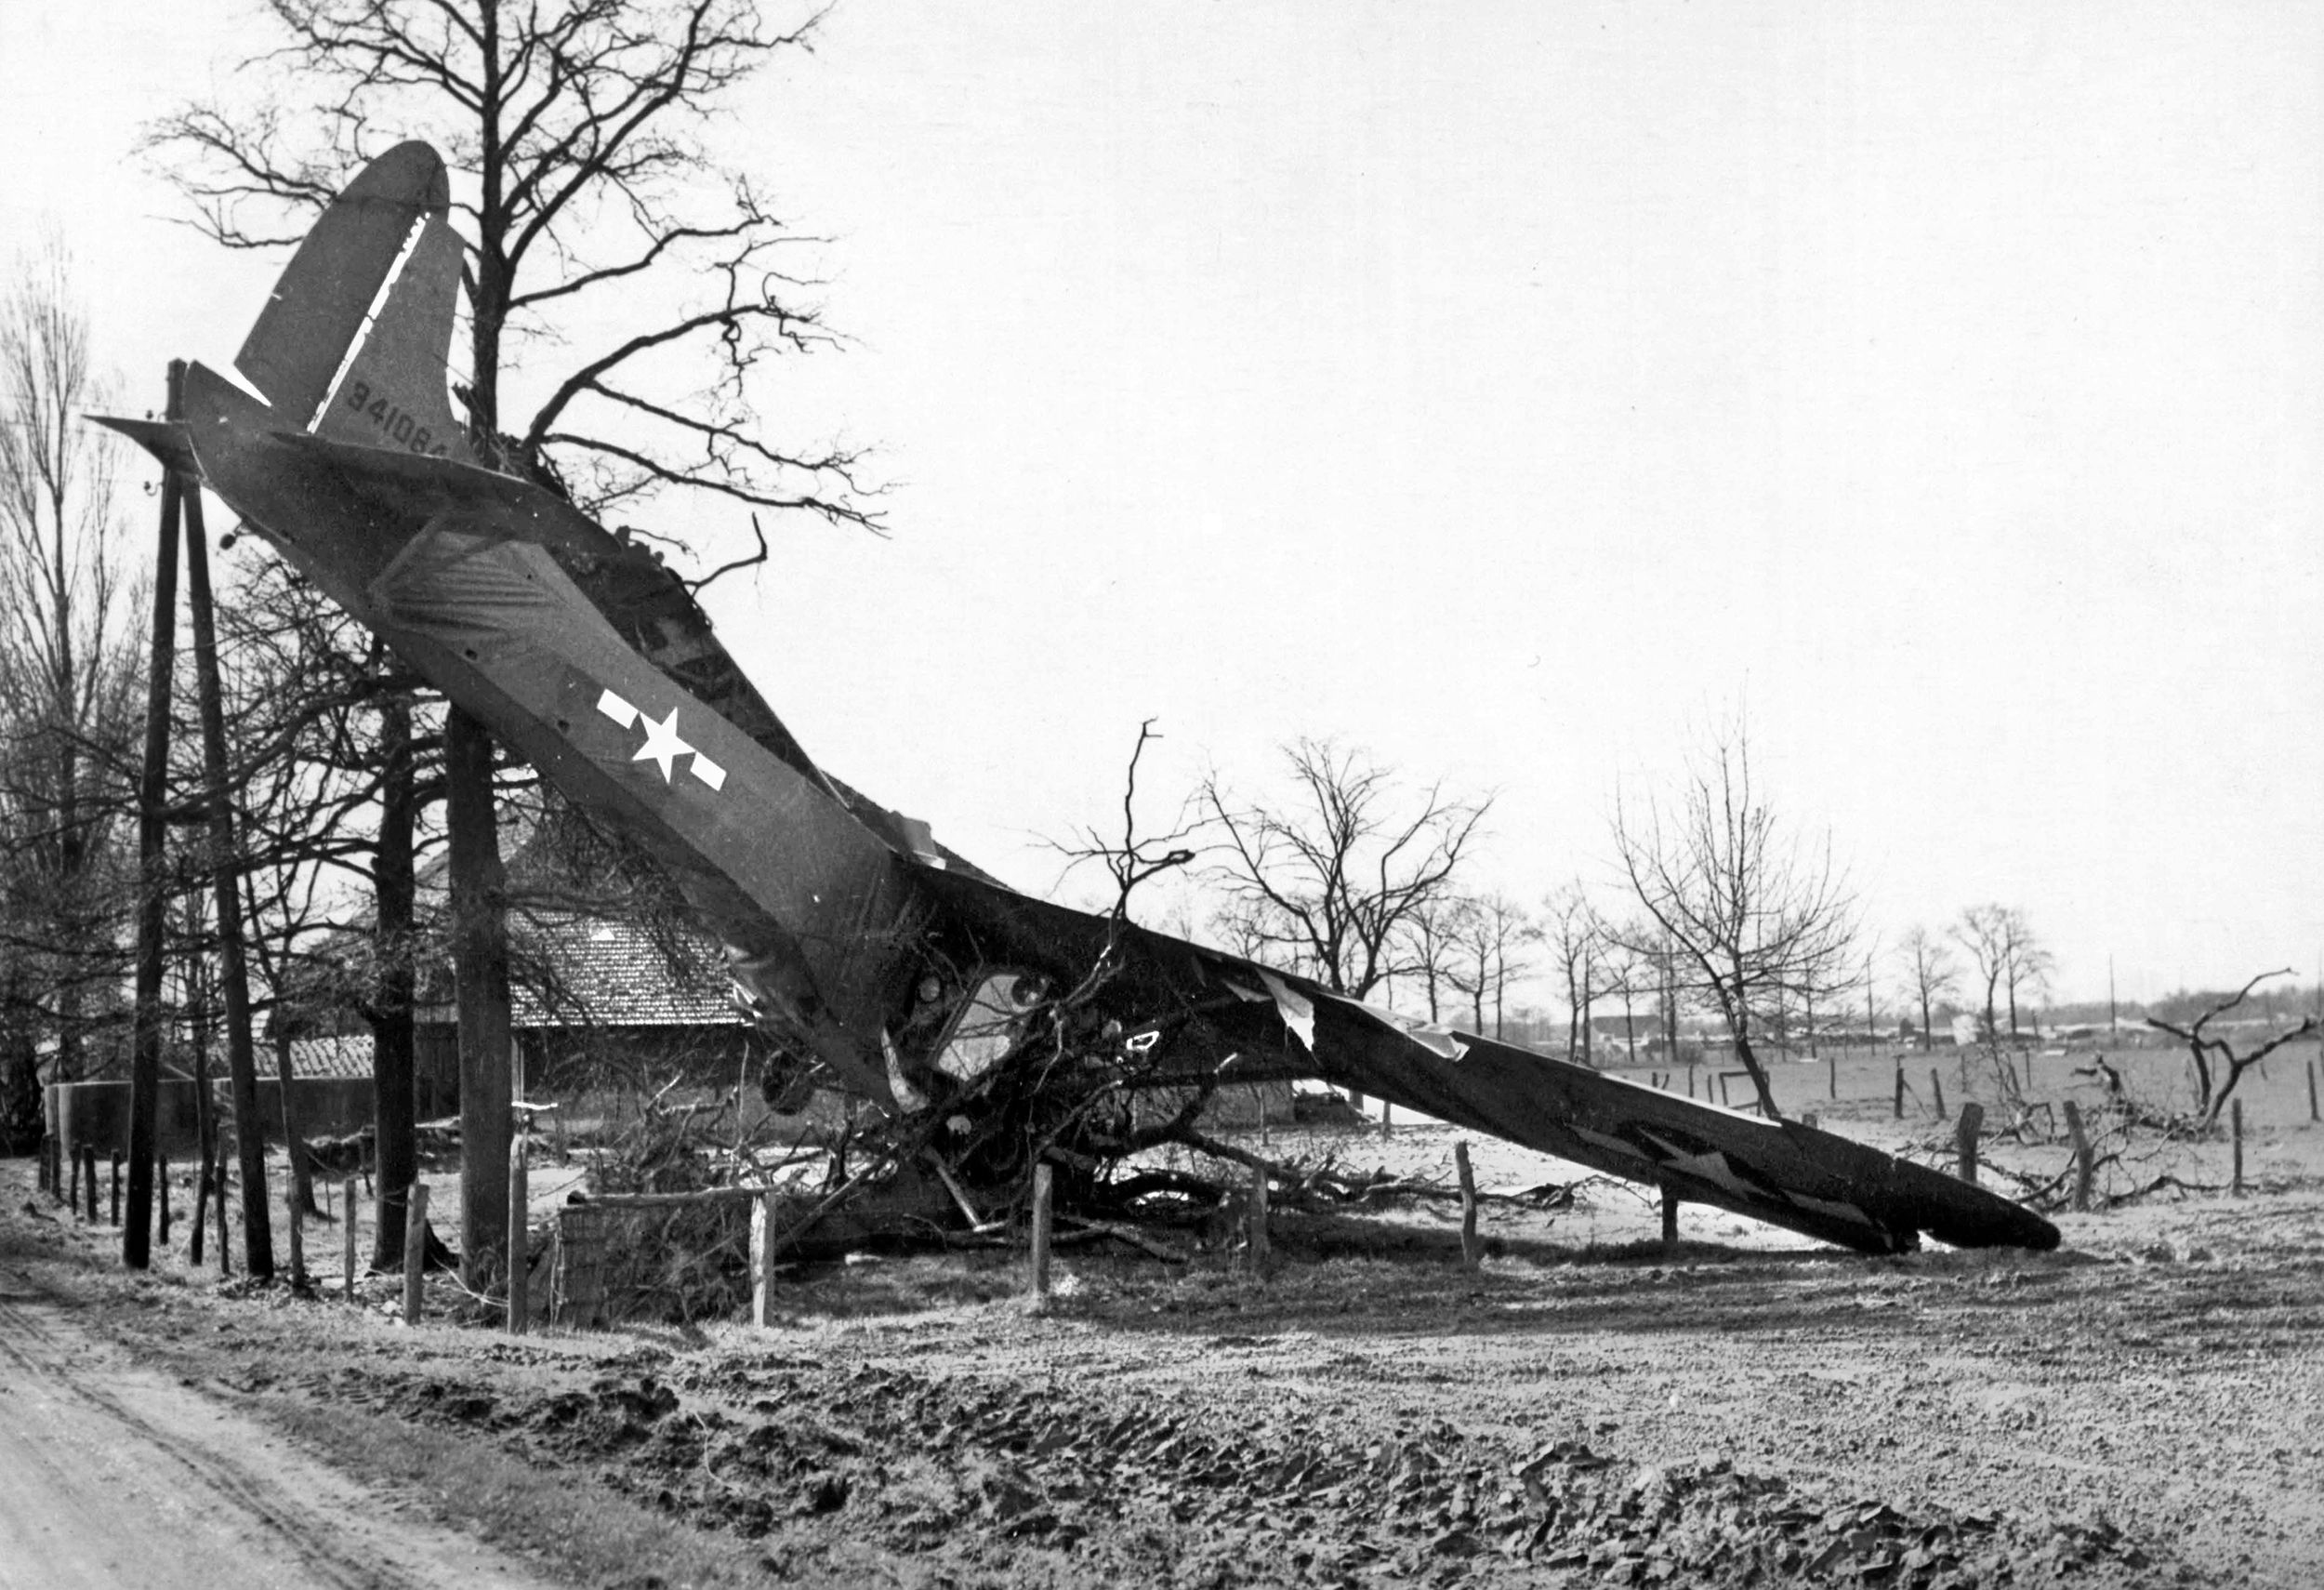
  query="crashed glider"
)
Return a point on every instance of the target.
[{"x": 861, "y": 945}]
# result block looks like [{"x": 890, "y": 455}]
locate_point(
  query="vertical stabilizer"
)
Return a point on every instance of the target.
[
  {"x": 391, "y": 390},
  {"x": 390, "y": 221}
]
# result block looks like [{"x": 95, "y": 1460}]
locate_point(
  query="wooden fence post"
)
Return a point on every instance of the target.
[
  {"x": 1043, "y": 1193},
  {"x": 1386, "y": 1111},
  {"x": 2312, "y": 1115},
  {"x": 347, "y": 1233},
  {"x": 201, "y": 1212},
  {"x": 415, "y": 1249},
  {"x": 220, "y": 1183},
  {"x": 1255, "y": 1217},
  {"x": 2083, "y": 1166},
  {"x": 520, "y": 1247},
  {"x": 294, "y": 1214},
  {"x": 764, "y": 1230},
  {"x": 1900, "y": 1088},
  {"x": 1965, "y": 1138},
  {"x": 1936, "y": 1090},
  {"x": 219, "y": 1186},
  {"x": 2234, "y": 1131},
  {"x": 1831, "y": 1069},
  {"x": 161, "y": 1191},
  {"x": 89, "y": 1165},
  {"x": 1669, "y": 1221},
  {"x": 1471, "y": 1250},
  {"x": 116, "y": 1201}
]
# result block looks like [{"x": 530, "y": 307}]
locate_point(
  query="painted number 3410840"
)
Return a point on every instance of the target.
[{"x": 400, "y": 426}]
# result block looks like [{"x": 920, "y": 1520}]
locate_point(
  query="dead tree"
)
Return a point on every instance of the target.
[
  {"x": 2217, "y": 1065},
  {"x": 1573, "y": 935},
  {"x": 1929, "y": 972},
  {"x": 1329, "y": 882},
  {"x": 1429, "y": 949},
  {"x": 1489, "y": 934},
  {"x": 70, "y": 668},
  {"x": 2006, "y": 955},
  {"x": 1759, "y": 915}
]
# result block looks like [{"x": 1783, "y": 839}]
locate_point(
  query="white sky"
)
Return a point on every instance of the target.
[{"x": 1508, "y": 389}]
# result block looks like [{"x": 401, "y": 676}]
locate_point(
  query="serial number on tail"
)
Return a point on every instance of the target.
[{"x": 400, "y": 426}]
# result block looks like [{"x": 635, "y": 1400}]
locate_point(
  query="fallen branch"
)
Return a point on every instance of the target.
[
  {"x": 2161, "y": 1183},
  {"x": 665, "y": 1201},
  {"x": 1129, "y": 1234}
]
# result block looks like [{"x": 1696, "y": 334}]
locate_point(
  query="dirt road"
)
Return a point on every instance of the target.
[{"x": 111, "y": 1474}]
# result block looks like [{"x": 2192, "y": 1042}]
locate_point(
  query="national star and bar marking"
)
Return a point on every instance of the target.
[{"x": 662, "y": 745}]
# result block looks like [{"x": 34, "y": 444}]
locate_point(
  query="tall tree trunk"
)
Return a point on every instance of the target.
[
  {"x": 1750, "y": 1059},
  {"x": 480, "y": 968},
  {"x": 392, "y": 1082},
  {"x": 22, "y": 1108}
]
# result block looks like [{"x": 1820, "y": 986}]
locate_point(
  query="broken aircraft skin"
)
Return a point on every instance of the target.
[{"x": 852, "y": 935}]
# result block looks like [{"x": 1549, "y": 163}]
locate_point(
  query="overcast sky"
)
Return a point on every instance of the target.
[{"x": 1509, "y": 389}]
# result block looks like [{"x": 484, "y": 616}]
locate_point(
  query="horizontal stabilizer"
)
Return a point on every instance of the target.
[{"x": 165, "y": 439}]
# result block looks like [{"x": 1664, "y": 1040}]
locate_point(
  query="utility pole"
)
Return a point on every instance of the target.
[{"x": 145, "y": 1058}]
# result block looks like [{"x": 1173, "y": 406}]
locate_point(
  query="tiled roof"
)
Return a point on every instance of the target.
[
  {"x": 611, "y": 973},
  {"x": 576, "y": 970},
  {"x": 343, "y": 1057}
]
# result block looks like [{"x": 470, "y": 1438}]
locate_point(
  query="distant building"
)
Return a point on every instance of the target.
[{"x": 596, "y": 1001}]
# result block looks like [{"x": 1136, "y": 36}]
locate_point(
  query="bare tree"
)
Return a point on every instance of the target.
[
  {"x": 1992, "y": 936},
  {"x": 1929, "y": 974},
  {"x": 1329, "y": 881},
  {"x": 69, "y": 672},
  {"x": 575, "y": 124},
  {"x": 1430, "y": 946},
  {"x": 331, "y": 783},
  {"x": 1571, "y": 933},
  {"x": 1631, "y": 967},
  {"x": 2026, "y": 962},
  {"x": 1489, "y": 934},
  {"x": 2214, "y": 1085},
  {"x": 1759, "y": 914}
]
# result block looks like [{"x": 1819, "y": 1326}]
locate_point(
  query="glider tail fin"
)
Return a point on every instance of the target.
[{"x": 353, "y": 344}]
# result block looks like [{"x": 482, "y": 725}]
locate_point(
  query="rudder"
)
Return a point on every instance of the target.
[{"x": 352, "y": 344}]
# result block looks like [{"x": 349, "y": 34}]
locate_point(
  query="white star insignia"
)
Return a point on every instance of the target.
[
  {"x": 662, "y": 744},
  {"x": 1712, "y": 1166},
  {"x": 663, "y": 747}
]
